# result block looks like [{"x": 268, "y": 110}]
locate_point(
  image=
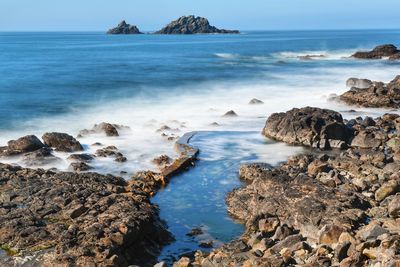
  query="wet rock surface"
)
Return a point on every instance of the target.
[
  {"x": 314, "y": 127},
  {"x": 109, "y": 129},
  {"x": 24, "y": 144},
  {"x": 338, "y": 209},
  {"x": 77, "y": 219},
  {"x": 62, "y": 142},
  {"x": 378, "y": 94},
  {"x": 387, "y": 50},
  {"x": 192, "y": 25},
  {"x": 124, "y": 28}
]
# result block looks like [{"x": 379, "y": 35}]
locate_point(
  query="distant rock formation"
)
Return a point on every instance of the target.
[
  {"x": 387, "y": 50},
  {"x": 192, "y": 25},
  {"x": 124, "y": 28}
]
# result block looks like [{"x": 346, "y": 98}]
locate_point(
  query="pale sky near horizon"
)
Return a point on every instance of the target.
[{"x": 99, "y": 15}]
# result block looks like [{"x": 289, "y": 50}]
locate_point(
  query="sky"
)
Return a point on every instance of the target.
[{"x": 148, "y": 15}]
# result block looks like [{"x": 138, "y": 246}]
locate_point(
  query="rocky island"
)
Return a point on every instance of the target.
[
  {"x": 192, "y": 25},
  {"x": 124, "y": 28}
]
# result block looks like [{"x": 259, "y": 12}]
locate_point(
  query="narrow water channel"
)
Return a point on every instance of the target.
[{"x": 196, "y": 198}]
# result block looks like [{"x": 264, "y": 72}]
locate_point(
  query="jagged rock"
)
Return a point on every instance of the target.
[
  {"x": 62, "y": 142},
  {"x": 111, "y": 151},
  {"x": 25, "y": 144},
  {"x": 162, "y": 161},
  {"x": 80, "y": 167},
  {"x": 378, "y": 52},
  {"x": 77, "y": 219},
  {"x": 377, "y": 95},
  {"x": 255, "y": 101},
  {"x": 389, "y": 188},
  {"x": 320, "y": 128},
  {"x": 191, "y": 25},
  {"x": 124, "y": 28},
  {"x": 394, "y": 207}
]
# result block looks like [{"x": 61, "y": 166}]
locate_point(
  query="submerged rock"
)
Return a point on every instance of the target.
[
  {"x": 124, "y": 28},
  {"x": 387, "y": 50},
  {"x": 191, "y": 25},
  {"x": 62, "y": 142}
]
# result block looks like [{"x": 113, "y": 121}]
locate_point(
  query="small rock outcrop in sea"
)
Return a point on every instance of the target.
[
  {"x": 319, "y": 209},
  {"x": 124, "y": 28},
  {"x": 230, "y": 113},
  {"x": 191, "y": 25},
  {"x": 70, "y": 219},
  {"x": 377, "y": 94},
  {"x": 62, "y": 142},
  {"x": 255, "y": 101},
  {"x": 109, "y": 129},
  {"x": 111, "y": 151},
  {"x": 358, "y": 83},
  {"x": 387, "y": 50},
  {"x": 315, "y": 127}
]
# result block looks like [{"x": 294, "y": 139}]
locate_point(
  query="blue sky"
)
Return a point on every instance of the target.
[{"x": 99, "y": 15}]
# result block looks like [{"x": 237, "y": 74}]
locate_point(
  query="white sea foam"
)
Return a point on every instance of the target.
[{"x": 196, "y": 109}]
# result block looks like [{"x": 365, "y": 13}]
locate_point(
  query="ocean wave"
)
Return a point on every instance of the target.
[{"x": 315, "y": 55}]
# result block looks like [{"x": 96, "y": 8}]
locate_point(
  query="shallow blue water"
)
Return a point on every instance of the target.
[
  {"x": 196, "y": 198},
  {"x": 43, "y": 74}
]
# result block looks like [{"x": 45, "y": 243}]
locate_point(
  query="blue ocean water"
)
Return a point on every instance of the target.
[
  {"x": 43, "y": 74},
  {"x": 186, "y": 82}
]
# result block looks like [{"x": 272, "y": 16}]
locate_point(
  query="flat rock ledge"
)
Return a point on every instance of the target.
[
  {"x": 192, "y": 25},
  {"x": 318, "y": 210},
  {"x": 373, "y": 94}
]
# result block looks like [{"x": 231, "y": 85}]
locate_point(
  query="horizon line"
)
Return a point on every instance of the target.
[{"x": 244, "y": 30}]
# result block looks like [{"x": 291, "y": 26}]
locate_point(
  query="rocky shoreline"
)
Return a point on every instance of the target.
[
  {"x": 52, "y": 218},
  {"x": 338, "y": 205}
]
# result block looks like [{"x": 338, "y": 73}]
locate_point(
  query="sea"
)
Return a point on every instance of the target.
[{"x": 162, "y": 86}]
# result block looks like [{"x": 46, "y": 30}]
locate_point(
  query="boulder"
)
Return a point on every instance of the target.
[
  {"x": 389, "y": 188},
  {"x": 191, "y": 25},
  {"x": 124, "y": 28},
  {"x": 315, "y": 127},
  {"x": 62, "y": 142},
  {"x": 25, "y": 144},
  {"x": 378, "y": 52},
  {"x": 358, "y": 83}
]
